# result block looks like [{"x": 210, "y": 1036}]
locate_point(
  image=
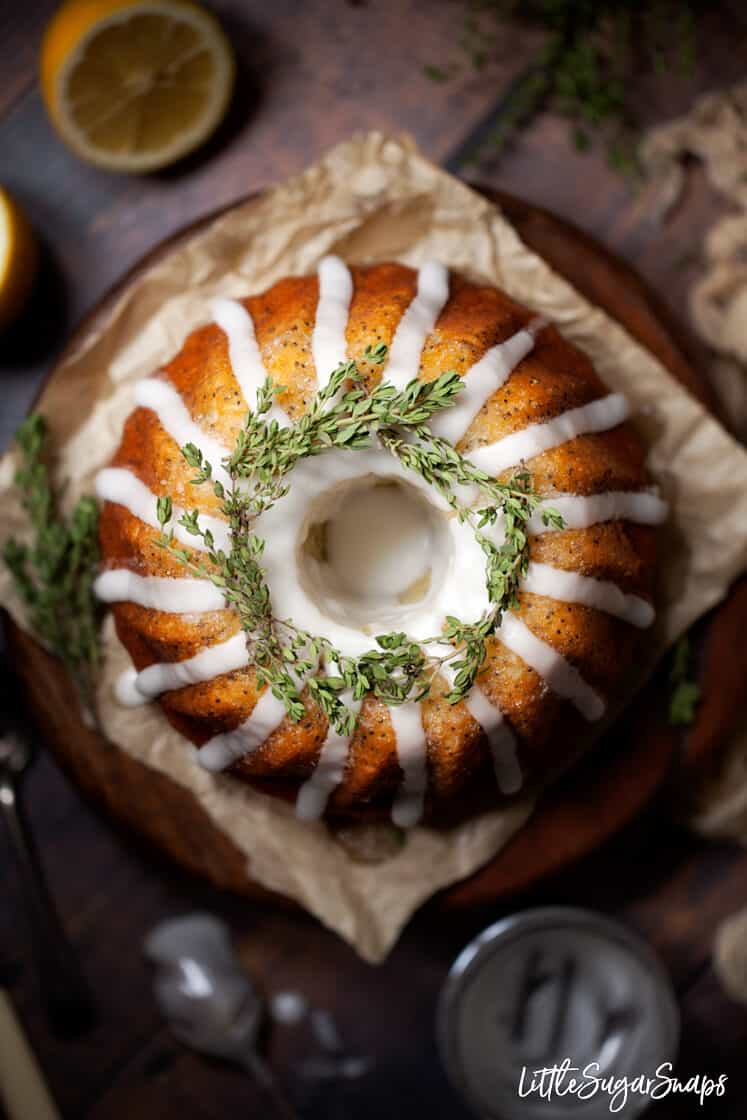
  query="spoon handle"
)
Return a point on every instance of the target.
[
  {"x": 272, "y": 1095},
  {"x": 63, "y": 988}
]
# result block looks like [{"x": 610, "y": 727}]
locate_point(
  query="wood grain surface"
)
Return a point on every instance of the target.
[{"x": 310, "y": 75}]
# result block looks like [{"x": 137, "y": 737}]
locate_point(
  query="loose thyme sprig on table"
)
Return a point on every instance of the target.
[
  {"x": 685, "y": 691},
  {"x": 287, "y": 658},
  {"x": 54, "y": 574},
  {"x": 589, "y": 65}
]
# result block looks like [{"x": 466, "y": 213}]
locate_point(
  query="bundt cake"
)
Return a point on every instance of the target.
[{"x": 360, "y": 544}]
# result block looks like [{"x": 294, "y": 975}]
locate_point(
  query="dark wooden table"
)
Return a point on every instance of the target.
[{"x": 310, "y": 75}]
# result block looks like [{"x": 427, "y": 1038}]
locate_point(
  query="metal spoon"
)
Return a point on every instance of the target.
[
  {"x": 64, "y": 991},
  {"x": 208, "y": 999}
]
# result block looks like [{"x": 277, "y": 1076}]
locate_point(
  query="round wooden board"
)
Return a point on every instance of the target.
[{"x": 593, "y": 802}]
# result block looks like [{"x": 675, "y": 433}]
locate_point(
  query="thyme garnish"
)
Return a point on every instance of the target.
[
  {"x": 344, "y": 415},
  {"x": 685, "y": 694},
  {"x": 54, "y": 574}
]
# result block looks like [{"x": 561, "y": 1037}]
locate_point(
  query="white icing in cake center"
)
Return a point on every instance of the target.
[{"x": 302, "y": 593}]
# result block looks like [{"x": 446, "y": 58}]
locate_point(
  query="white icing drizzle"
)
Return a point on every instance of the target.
[
  {"x": 417, "y": 323},
  {"x": 500, "y": 737},
  {"x": 118, "y": 485},
  {"x": 579, "y": 512},
  {"x": 174, "y": 417},
  {"x": 329, "y": 771},
  {"x": 244, "y": 353},
  {"x": 158, "y": 593},
  {"x": 407, "y": 725},
  {"x": 501, "y": 740},
  {"x": 572, "y": 587},
  {"x": 223, "y": 750},
  {"x": 135, "y": 688},
  {"x": 328, "y": 345},
  {"x": 597, "y": 416},
  {"x": 483, "y": 379},
  {"x": 559, "y": 674}
]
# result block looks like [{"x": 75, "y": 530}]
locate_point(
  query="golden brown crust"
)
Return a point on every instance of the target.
[{"x": 554, "y": 377}]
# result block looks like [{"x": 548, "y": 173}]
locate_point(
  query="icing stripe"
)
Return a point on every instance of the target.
[
  {"x": 578, "y": 512},
  {"x": 598, "y": 416},
  {"x": 115, "y": 484},
  {"x": 416, "y": 324},
  {"x": 483, "y": 379},
  {"x": 572, "y": 587},
  {"x": 328, "y": 345},
  {"x": 172, "y": 413},
  {"x": 222, "y": 750},
  {"x": 244, "y": 353},
  {"x": 329, "y": 771},
  {"x": 135, "y": 688},
  {"x": 501, "y": 740},
  {"x": 500, "y": 737},
  {"x": 559, "y": 674},
  {"x": 407, "y": 725},
  {"x": 158, "y": 593}
]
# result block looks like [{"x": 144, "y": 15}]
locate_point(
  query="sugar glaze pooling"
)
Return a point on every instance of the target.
[{"x": 483, "y": 379}]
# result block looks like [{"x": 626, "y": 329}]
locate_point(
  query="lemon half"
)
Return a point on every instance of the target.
[
  {"x": 18, "y": 258},
  {"x": 133, "y": 85}
]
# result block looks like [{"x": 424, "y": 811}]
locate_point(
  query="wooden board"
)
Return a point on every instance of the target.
[{"x": 579, "y": 813}]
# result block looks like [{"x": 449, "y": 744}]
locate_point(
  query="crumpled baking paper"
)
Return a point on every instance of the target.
[
  {"x": 375, "y": 198},
  {"x": 715, "y": 133}
]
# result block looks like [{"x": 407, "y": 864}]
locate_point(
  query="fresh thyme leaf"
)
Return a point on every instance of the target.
[
  {"x": 683, "y": 703},
  {"x": 54, "y": 573},
  {"x": 290, "y": 660},
  {"x": 376, "y": 355},
  {"x": 685, "y": 694}
]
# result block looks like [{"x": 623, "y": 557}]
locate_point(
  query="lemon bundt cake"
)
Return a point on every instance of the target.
[{"x": 358, "y": 543}]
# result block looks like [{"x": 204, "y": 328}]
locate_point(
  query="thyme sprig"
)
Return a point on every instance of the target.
[
  {"x": 589, "y": 66},
  {"x": 685, "y": 691},
  {"x": 289, "y": 659},
  {"x": 54, "y": 573}
]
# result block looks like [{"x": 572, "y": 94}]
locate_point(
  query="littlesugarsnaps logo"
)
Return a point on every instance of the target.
[{"x": 567, "y": 1080}]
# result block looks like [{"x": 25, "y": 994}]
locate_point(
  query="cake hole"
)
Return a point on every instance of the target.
[{"x": 373, "y": 551}]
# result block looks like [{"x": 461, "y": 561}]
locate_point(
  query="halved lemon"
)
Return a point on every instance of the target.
[
  {"x": 133, "y": 85},
  {"x": 17, "y": 259}
]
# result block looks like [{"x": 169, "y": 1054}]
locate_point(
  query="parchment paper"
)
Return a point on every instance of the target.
[
  {"x": 714, "y": 132},
  {"x": 370, "y": 199}
]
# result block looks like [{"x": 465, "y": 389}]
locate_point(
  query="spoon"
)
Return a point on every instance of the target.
[
  {"x": 209, "y": 1001},
  {"x": 64, "y": 990}
]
